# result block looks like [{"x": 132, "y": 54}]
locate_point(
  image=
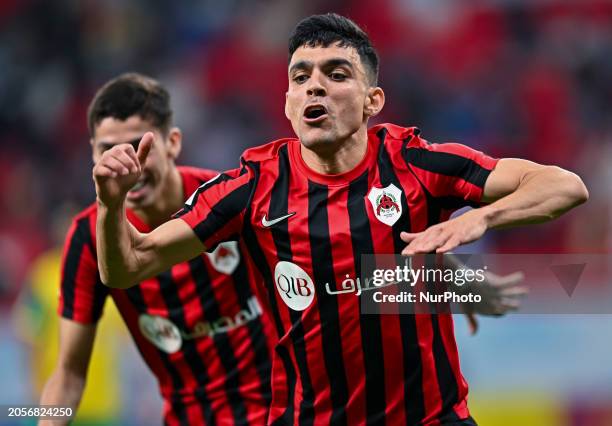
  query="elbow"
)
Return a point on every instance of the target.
[
  {"x": 112, "y": 281},
  {"x": 69, "y": 377},
  {"x": 577, "y": 191},
  {"x": 571, "y": 190}
]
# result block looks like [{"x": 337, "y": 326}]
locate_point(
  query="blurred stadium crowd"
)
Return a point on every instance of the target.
[
  {"x": 513, "y": 78},
  {"x": 518, "y": 78}
]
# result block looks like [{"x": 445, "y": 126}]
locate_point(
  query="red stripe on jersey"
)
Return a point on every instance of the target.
[
  {"x": 152, "y": 295},
  {"x": 84, "y": 298},
  {"x": 281, "y": 395},
  {"x": 130, "y": 317},
  {"x": 195, "y": 415},
  {"x": 430, "y": 386},
  {"x": 447, "y": 332},
  {"x": 419, "y": 210},
  {"x": 431, "y": 389},
  {"x": 240, "y": 343},
  {"x": 313, "y": 343},
  {"x": 81, "y": 296},
  {"x": 348, "y": 304},
  {"x": 393, "y": 353},
  {"x": 170, "y": 417}
]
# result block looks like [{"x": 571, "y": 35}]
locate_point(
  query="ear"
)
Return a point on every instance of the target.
[
  {"x": 374, "y": 102},
  {"x": 175, "y": 141},
  {"x": 287, "y": 106},
  {"x": 94, "y": 155}
]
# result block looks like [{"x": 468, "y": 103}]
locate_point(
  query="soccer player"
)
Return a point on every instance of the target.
[
  {"x": 196, "y": 324},
  {"x": 307, "y": 208}
]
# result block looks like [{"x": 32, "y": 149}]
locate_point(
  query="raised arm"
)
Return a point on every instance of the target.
[
  {"x": 520, "y": 192},
  {"x": 126, "y": 256}
]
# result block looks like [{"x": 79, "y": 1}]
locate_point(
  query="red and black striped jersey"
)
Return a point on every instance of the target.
[
  {"x": 306, "y": 233},
  {"x": 199, "y": 326}
]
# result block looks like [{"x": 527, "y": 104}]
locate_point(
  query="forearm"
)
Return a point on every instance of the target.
[
  {"x": 542, "y": 195},
  {"x": 65, "y": 389},
  {"x": 116, "y": 244}
]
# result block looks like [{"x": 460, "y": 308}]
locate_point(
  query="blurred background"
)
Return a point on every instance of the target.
[{"x": 520, "y": 78}]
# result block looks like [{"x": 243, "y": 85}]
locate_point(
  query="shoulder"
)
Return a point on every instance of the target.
[
  {"x": 83, "y": 226},
  {"x": 392, "y": 132},
  {"x": 267, "y": 152},
  {"x": 197, "y": 173},
  {"x": 88, "y": 214}
]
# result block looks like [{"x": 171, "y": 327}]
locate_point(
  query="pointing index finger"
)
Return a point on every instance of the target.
[{"x": 144, "y": 147}]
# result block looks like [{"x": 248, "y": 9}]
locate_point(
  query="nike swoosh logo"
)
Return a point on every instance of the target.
[{"x": 268, "y": 223}]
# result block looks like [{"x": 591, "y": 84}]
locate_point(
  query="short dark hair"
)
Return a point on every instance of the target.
[
  {"x": 131, "y": 94},
  {"x": 323, "y": 30}
]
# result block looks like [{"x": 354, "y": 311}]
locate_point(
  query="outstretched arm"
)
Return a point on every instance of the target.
[
  {"x": 126, "y": 256},
  {"x": 521, "y": 192}
]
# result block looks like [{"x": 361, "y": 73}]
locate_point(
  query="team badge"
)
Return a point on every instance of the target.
[
  {"x": 160, "y": 331},
  {"x": 225, "y": 257},
  {"x": 387, "y": 203}
]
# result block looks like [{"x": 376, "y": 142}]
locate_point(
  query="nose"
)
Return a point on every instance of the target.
[{"x": 315, "y": 86}]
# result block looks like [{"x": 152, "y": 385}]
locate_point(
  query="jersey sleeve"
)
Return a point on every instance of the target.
[
  {"x": 450, "y": 170},
  {"x": 216, "y": 210},
  {"x": 82, "y": 294}
]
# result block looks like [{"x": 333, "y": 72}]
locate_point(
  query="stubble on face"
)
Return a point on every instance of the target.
[{"x": 334, "y": 79}]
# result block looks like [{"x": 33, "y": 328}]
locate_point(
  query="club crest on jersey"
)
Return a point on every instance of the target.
[
  {"x": 162, "y": 332},
  {"x": 225, "y": 257},
  {"x": 387, "y": 203}
]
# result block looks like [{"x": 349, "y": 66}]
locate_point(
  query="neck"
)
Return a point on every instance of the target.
[
  {"x": 339, "y": 157},
  {"x": 169, "y": 201}
]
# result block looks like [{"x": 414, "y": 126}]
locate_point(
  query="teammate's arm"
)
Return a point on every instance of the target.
[
  {"x": 126, "y": 256},
  {"x": 520, "y": 192},
  {"x": 67, "y": 382}
]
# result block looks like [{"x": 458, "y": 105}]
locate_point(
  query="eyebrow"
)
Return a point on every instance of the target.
[
  {"x": 109, "y": 145},
  {"x": 330, "y": 63}
]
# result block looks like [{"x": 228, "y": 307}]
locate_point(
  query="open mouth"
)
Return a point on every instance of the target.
[
  {"x": 315, "y": 113},
  {"x": 142, "y": 182}
]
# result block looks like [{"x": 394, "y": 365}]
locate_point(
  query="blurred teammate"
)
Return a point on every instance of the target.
[
  {"x": 197, "y": 325},
  {"x": 307, "y": 208}
]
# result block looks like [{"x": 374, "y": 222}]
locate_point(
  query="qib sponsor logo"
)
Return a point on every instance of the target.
[{"x": 294, "y": 285}]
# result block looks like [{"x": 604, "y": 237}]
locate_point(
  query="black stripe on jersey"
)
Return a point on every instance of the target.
[
  {"x": 436, "y": 204},
  {"x": 80, "y": 238},
  {"x": 320, "y": 247},
  {"x": 222, "y": 342},
  {"x": 100, "y": 293},
  {"x": 135, "y": 296},
  {"x": 259, "y": 259},
  {"x": 256, "y": 331},
  {"x": 192, "y": 200},
  {"x": 371, "y": 334},
  {"x": 224, "y": 211},
  {"x": 176, "y": 314},
  {"x": 447, "y": 382},
  {"x": 279, "y": 200},
  {"x": 448, "y": 164},
  {"x": 414, "y": 402}
]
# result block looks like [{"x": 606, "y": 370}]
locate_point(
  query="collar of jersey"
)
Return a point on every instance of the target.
[{"x": 326, "y": 179}]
